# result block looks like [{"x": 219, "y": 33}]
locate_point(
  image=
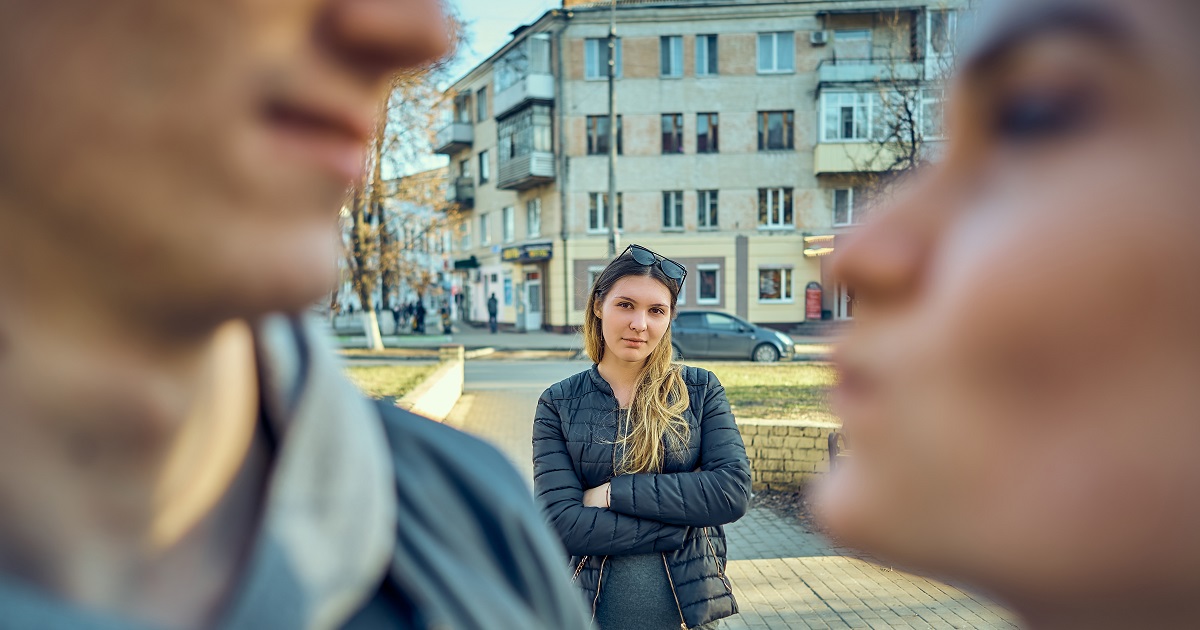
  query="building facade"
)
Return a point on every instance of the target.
[{"x": 743, "y": 130}]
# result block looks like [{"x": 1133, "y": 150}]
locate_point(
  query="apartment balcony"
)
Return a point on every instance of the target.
[
  {"x": 852, "y": 157},
  {"x": 526, "y": 171},
  {"x": 461, "y": 191},
  {"x": 531, "y": 87},
  {"x": 455, "y": 137},
  {"x": 867, "y": 71}
]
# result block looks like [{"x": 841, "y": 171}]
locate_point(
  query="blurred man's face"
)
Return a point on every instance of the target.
[
  {"x": 1022, "y": 389},
  {"x": 192, "y": 155}
]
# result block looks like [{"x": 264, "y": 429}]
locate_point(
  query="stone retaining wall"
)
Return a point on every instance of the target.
[{"x": 786, "y": 454}]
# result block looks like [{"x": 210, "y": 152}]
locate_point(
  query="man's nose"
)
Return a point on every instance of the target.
[{"x": 385, "y": 36}]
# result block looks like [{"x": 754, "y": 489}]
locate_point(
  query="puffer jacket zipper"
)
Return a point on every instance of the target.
[
  {"x": 599, "y": 579},
  {"x": 671, "y": 581},
  {"x": 720, "y": 570},
  {"x": 579, "y": 568}
]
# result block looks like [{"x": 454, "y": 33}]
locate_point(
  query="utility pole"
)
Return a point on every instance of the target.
[{"x": 610, "y": 208}]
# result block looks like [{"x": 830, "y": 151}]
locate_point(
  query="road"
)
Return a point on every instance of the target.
[{"x": 783, "y": 575}]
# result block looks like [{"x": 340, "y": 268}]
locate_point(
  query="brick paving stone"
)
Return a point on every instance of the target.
[{"x": 783, "y": 576}]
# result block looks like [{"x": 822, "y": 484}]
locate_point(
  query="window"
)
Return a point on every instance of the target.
[
  {"x": 485, "y": 235},
  {"x": 593, "y": 274},
  {"x": 533, "y": 218},
  {"x": 481, "y": 105},
  {"x": 464, "y": 168},
  {"x": 849, "y": 206},
  {"x": 942, "y": 29},
  {"x": 706, "y": 55},
  {"x": 775, "y": 208},
  {"x": 672, "y": 133},
  {"x": 707, "y": 201},
  {"x": 931, "y": 113},
  {"x": 670, "y": 55},
  {"x": 775, "y": 285},
  {"x": 706, "y": 133},
  {"x": 462, "y": 108},
  {"x": 708, "y": 283},
  {"x": 776, "y": 52},
  {"x": 464, "y": 233},
  {"x": 851, "y": 116},
  {"x": 526, "y": 133},
  {"x": 776, "y": 131},
  {"x": 595, "y": 58},
  {"x": 718, "y": 321},
  {"x": 852, "y": 35},
  {"x": 598, "y": 217},
  {"x": 485, "y": 167},
  {"x": 689, "y": 320},
  {"x": 509, "y": 216},
  {"x": 672, "y": 210},
  {"x": 597, "y": 132}
]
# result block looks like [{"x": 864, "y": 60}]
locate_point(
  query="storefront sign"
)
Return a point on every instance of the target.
[{"x": 533, "y": 252}]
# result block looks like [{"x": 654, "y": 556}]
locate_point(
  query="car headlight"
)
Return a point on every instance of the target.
[{"x": 784, "y": 339}]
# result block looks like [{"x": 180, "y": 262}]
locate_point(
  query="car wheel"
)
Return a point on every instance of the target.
[
  {"x": 766, "y": 353},
  {"x": 676, "y": 355}
]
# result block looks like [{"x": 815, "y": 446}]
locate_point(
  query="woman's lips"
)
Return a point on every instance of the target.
[
  {"x": 634, "y": 342},
  {"x": 333, "y": 142}
]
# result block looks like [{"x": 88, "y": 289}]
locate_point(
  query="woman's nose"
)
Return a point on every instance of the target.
[
  {"x": 384, "y": 36},
  {"x": 638, "y": 322}
]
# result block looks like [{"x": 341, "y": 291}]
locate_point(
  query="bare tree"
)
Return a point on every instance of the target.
[
  {"x": 909, "y": 92},
  {"x": 403, "y": 141}
]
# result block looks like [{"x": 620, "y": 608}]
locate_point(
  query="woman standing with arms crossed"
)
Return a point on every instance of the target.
[{"x": 638, "y": 462}]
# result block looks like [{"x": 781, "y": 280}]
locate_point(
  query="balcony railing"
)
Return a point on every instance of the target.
[
  {"x": 453, "y": 138},
  {"x": 533, "y": 87},
  {"x": 526, "y": 171},
  {"x": 461, "y": 191},
  {"x": 867, "y": 70}
]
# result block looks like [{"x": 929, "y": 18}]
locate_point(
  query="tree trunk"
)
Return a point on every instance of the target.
[{"x": 371, "y": 329}]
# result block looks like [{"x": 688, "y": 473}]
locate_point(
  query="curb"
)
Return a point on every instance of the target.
[{"x": 439, "y": 392}]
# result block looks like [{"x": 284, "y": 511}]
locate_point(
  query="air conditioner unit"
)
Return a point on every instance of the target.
[{"x": 818, "y": 38}]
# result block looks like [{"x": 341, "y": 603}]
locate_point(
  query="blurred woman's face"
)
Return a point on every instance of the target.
[{"x": 1022, "y": 387}]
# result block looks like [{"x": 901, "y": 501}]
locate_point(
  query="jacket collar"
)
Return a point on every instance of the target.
[
  {"x": 599, "y": 381},
  {"x": 331, "y": 505}
]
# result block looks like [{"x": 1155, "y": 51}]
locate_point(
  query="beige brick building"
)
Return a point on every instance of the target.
[{"x": 741, "y": 126}]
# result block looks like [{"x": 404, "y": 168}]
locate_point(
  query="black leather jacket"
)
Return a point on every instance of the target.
[{"x": 678, "y": 512}]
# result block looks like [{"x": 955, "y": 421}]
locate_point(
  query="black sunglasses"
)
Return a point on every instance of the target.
[{"x": 670, "y": 268}]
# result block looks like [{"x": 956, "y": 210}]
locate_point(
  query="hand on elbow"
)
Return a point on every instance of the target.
[{"x": 597, "y": 497}]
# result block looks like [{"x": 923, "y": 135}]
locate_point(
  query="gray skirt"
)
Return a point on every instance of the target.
[{"x": 635, "y": 594}]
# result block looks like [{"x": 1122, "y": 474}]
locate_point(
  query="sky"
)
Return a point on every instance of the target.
[{"x": 488, "y": 24}]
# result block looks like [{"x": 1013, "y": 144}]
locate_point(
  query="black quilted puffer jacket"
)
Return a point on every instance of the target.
[{"x": 678, "y": 512}]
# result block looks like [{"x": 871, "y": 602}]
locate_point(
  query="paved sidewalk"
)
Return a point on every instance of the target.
[{"x": 783, "y": 576}]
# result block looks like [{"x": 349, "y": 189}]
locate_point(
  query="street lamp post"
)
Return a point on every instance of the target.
[{"x": 610, "y": 208}]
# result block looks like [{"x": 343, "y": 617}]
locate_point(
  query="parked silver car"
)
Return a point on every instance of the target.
[{"x": 716, "y": 335}]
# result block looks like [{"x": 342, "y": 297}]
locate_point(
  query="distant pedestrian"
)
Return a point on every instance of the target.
[
  {"x": 493, "y": 310},
  {"x": 638, "y": 462},
  {"x": 420, "y": 318},
  {"x": 396, "y": 319}
]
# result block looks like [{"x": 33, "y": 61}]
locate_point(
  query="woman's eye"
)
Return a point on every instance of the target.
[
  {"x": 657, "y": 311},
  {"x": 1034, "y": 116}
]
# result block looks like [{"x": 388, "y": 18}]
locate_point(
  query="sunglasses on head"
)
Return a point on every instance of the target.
[{"x": 670, "y": 268}]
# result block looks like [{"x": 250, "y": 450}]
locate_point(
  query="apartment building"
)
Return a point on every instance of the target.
[{"x": 742, "y": 129}]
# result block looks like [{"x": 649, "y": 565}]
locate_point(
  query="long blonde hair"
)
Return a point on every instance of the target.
[{"x": 659, "y": 396}]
